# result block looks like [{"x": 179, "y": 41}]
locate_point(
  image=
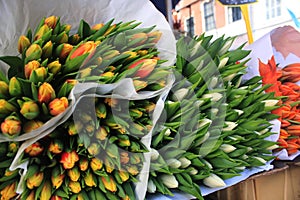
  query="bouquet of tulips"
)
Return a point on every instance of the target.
[
  {"x": 284, "y": 83},
  {"x": 216, "y": 125},
  {"x": 68, "y": 131}
]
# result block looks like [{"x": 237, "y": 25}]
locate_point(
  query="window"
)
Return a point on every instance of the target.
[
  {"x": 273, "y": 8},
  {"x": 209, "y": 16},
  {"x": 234, "y": 14},
  {"x": 190, "y": 26}
]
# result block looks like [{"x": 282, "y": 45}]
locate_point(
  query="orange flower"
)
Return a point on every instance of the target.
[
  {"x": 35, "y": 180},
  {"x": 8, "y": 192},
  {"x": 146, "y": 66},
  {"x": 23, "y": 43},
  {"x": 46, "y": 93},
  {"x": 68, "y": 159},
  {"x": 30, "y": 66},
  {"x": 35, "y": 149},
  {"x": 11, "y": 126},
  {"x": 269, "y": 75},
  {"x": 87, "y": 47},
  {"x": 51, "y": 21},
  {"x": 57, "y": 106},
  {"x": 32, "y": 125},
  {"x": 57, "y": 180}
]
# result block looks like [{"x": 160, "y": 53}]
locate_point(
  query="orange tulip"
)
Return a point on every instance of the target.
[
  {"x": 87, "y": 47},
  {"x": 57, "y": 106},
  {"x": 68, "y": 159},
  {"x": 35, "y": 149},
  {"x": 51, "y": 21},
  {"x": 147, "y": 66},
  {"x": 46, "y": 93}
]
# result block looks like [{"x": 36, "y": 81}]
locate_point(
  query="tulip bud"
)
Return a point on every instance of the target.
[
  {"x": 124, "y": 142},
  {"x": 35, "y": 180},
  {"x": 74, "y": 187},
  {"x": 204, "y": 122},
  {"x": 101, "y": 133},
  {"x": 57, "y": 180},
  {"x": 74, "y": 39},
  {"x": 6, "y": 107},
  {"x": 42, "y": 31},
  {"x": 57, "y": 106},
  {"x": 270, "y": 102},
  {"x": 88, "y": 47},
  {"x": 223, "y": 62},
  {"x": 180, "y": 94},
  {"x": 46, "y": 191},
  {"x": 8, "y": 192},
  {"x": 13, "y": 147},
  {"x": 31, "y": 196},
  {"x": 30, "y": 110},
  {"x": 63, "y": 38},
  {"x": 94, "y": 149},
  {"x": 47, "y": 49},
  {"x": 229, "y": 126},
  {"x": 68, "y": 159},
  {"x": 169, "y": 181},
  {"x": 96, "y": 27},
  {"x": 11, "y": 126},
  {"x": 133, "y": 170},
  {"x": 110, "y": 54},
  {"x": 131, "y": 54},
  {"x": 214, "y": 181},
  {"x": 54, "y": 67},
  {"x": 213, "y": 96},
  {"x": 167, "y": 132},
  {"x": 184, "y": 162},
  {"x": 74, "y": 174},
  {"x": 51, "y": 21},
  {"x": 173, "y": 163},
  {"x": 35, "y": 149},
  {"x": 151, "y": 187},
  {"x": 150, "y": 107},
  {"x": 89, "y": 179},
  {"x": 109, "y": 166},
  {"x": 55, "y": 197},
  {"x": 141, "y": 38},
  {"x": 14, "y": 87},
  {"x": 96, "y": 164},
  {"x": 227, "y": 148},
  {"x": 156, "y": 35},
  {"x": 124, "y": 158},
  {"x": 38, "y": 75},
  {"x": 193, "y": 171},
  {"x": 146, "y": 66},
  {"x": 263, "y": 161},
  {"x": 112, "y": 102},
  {"x": 32, "y": 125},
  {"x": 63, "y": 50},
  {"x": 3, "y": 89},
  {"x": 46, "y": 93},
  {"x": 123, "y": 175},
  {"x": 83, "y": 164},
  {"x": 23, "y": 43},
  {"x": 30, "y": 66},
  {"x": 56, "y": 146},
  {"x": 34, "y": 52},
  {"x": 109, "y": 183},
  {"x": 154, "y": 154}
]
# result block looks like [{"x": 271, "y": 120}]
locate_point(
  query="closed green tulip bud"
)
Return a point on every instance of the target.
[
  {"x": 6, "y": 107},
  {"x": 30, "y": 110},
  {"x": 173, "y": 163},
  {"x": 14, "y": 87},
  {"x": 3, "y": 89},
  {"x": 23, "y": 43},
  {"x": 47, "y": 49},
  {"x": 42, "y": 31},
  {"x": 54, "y": 67},
  {"x": 169, "y": 181},
  {"x": 38, "y": 75},
  {"x": 34, "y": 52},
  {"x": 213, "y": 181},
  {"x": 151, "y": 187}
]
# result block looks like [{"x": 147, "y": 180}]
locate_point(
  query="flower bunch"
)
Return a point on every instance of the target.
[
  {"x": 92, "y": 156},
  {"x": 284, "y": 83},
  {"x": 95, "y": 152},
  {"x": 216, "y": 125}
]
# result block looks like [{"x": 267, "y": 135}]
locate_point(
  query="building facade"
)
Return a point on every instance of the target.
[{"x": 193, "y": 17}]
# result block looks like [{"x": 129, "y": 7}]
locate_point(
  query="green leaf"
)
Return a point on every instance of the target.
[{"x": 16, "y": 65}]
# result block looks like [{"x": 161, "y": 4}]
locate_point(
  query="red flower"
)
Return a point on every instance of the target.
[{"x": 68, "y": 159}]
